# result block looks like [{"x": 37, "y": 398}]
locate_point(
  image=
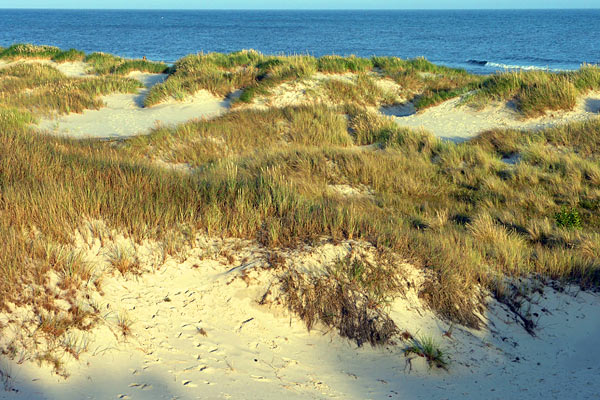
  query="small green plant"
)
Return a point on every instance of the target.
[
  {"x": 426, "y": 346},
  {"x": 568, "y": 218}
]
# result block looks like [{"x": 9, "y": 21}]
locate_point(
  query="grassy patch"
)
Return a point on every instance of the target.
[
  {"x": 104, "y": 64},
  {"x": 140, "y": 65},
  {"x": 44, "y": 90},
  {"x": 535, "y": 92},
  {"x": 363, "y": 91},
  {"x": 340, "y": 65},
  {"x": 456, "y": 210},
  {"x": 30, "y": 51}
]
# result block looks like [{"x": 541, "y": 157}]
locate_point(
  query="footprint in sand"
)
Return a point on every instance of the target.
[{"x": 142, "y": 386}]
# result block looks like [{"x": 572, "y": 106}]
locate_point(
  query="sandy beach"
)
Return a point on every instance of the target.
[{"x": 198, "y": 330}]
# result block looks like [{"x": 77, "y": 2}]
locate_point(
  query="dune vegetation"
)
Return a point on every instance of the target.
[{"x": 460, "y": 212}]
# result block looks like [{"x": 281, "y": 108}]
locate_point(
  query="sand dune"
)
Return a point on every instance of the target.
[
  {"x": 73, "y": 69},
  {"x": 453, "y": 121},
  {"x": 124, "y": 114},
  {"x": 198, "y": 331}
]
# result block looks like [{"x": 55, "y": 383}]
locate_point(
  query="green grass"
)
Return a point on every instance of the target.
[
  {"x": 140, "y": 65},
  {"x": 22, "y": 50},
  {"x": 427, "y": 347},
  {"x": 69, "y": 55},
  {"x": 104, "y": 64},
  {"x": 340, "y": 65},
  {"x": 29, "y": 51},
  {"x": 424, "y": 83}
]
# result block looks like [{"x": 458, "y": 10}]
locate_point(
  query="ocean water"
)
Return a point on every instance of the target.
[{"x": 479, "y": 41}]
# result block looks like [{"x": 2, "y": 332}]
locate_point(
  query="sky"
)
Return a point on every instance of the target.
[{"x": 302, "y": 4}]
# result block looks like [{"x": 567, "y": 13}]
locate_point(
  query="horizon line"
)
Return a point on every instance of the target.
[{"x": 300, "y": 9}]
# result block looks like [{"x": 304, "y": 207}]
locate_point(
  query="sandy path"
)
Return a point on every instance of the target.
[
  {"x": 452, "y": 121},
  {"x": 124, "y": 114},
  {"x": 252, "y": 351}
]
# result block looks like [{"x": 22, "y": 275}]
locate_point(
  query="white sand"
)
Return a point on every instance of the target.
[
  {"x": 254, "y": 351},
  {"x": 124, "y": 114},
  {"x": 453, "y": 121}
]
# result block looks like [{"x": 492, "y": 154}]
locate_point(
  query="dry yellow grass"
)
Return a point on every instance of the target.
[{"x": 457, "y": 211}]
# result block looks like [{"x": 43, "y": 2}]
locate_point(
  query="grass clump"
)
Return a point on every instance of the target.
[
  {"x": 30, "y": 51},
  {"x": 44, "y": 90},
  {"x": 124, "y": 260},
  {"x": 535, "y": 92},
  {"x": 221, "y": 74},
  {"x": 349, "y": 298},
  {"x": 275, "y": 71},
  {"x": 427, "y": 347},
  {"x": 425, "y": 83},
  {"x": 140, "y": 65},
  {"x": 69, "y": 55},
  {"x": 102, "y": 63},
  {"x": 24, "y": 50},
  {"x": 568, "y": 218},
  {"x": 105, "y": 64},
  {"x": 205, "y": 71}
]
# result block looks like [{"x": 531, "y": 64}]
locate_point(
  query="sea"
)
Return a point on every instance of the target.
[{"x": 480, "y": 41}]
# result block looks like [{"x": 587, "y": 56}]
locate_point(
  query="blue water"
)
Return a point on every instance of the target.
[{"x": 479, "y": 41}]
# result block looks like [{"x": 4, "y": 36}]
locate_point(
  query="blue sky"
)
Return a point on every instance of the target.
[{"x": 301, "y": 4}]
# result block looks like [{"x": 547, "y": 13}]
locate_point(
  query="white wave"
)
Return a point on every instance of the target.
[{"x": 523, "y": 67}]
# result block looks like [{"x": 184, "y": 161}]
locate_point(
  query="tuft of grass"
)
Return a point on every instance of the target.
[
  {"x": 350, "y": 298},
  {"x": 124, "y": 323},
  {"x": 427, "y": 347},
  {"x": 75, "y": 344},
  {"x": 105, "y": 64},
  {"x": 124, "y": 260},
  {"x": 566, "y": 218}
]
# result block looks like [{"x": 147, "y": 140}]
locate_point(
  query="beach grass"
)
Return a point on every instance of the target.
[
  {"x": 363, "y": 90},
  {"x": 29, "y": 51},
  {"x": 458, "y": 211},
  {"x": 104, "y": 64},
  {"x": 340, "y": 65},
  {"x": 535, "y": 92},
  {"x": 43, "y": 90}
]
